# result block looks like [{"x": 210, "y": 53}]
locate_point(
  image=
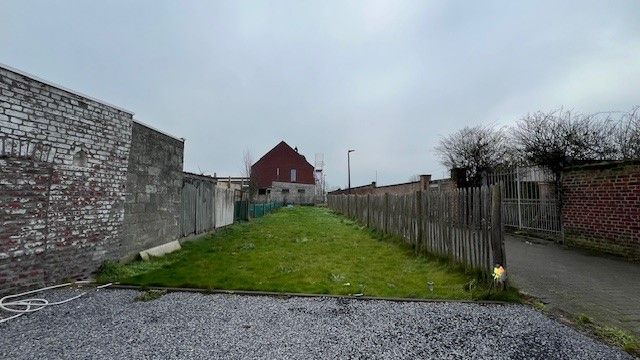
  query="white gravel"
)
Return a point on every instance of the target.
[{"x": 111, "y": 325}]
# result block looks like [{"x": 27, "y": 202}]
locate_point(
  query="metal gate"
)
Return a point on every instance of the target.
[{"x": 529, "y": 199}]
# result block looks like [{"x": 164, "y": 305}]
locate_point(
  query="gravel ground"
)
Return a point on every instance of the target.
[{"x": 110, "y": 325}]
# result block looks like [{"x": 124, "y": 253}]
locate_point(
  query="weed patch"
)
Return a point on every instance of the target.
[{"x": 150, "y": 295}]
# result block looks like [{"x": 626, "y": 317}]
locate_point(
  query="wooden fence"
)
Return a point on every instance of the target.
[
  {"x": 205, "y": 207},
  {"x": 463, "y": 224}
]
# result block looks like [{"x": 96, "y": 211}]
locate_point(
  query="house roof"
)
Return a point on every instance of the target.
[{"x": 282, "y": 144}]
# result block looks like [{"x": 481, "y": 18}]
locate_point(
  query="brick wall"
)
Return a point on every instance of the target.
[
  {"x": 601, "y": 207},
  {"x": 405, "y": 188},
  {"x": 424, "y": 183},
  {"x": 77, "y": 147},
  {"x": 154, "y": 184}
]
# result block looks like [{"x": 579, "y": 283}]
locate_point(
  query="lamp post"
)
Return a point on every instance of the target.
[{"x": 349, "y": 168}]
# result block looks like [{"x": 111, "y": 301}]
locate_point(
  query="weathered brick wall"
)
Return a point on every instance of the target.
[
  {"x": 24, "y": 194},
  {"x": 154, "y": 185},
  {"x": 82, "y": 146},
  {"x": 601, "y": 207}
]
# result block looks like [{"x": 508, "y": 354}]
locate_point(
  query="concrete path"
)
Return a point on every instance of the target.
[{"x": 605, "y": 289}]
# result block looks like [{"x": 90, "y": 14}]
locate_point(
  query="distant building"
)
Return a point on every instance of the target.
[
  {"x": 284, "y": 175},
  {"x": 223, "y": 182}
]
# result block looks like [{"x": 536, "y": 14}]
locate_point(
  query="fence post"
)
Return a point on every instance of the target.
[
  {"x": 519, "y": 198},
  {"x": 348, "y": 206},
  {"x": 355, "y": 206},
  {"x": 386, "y": 212},
  {"x": 419, "y": 220},
  {"x": 368, "y": 210},
  {"x": 497, "y": 237}
]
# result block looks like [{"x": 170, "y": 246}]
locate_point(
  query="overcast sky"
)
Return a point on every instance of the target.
[{"x": 386, "y": 78}]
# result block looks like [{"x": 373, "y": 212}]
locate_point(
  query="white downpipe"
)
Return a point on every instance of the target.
[{"x": 29, "y": 305}]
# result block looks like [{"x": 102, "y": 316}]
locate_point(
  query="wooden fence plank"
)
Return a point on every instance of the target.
[{"x": 464, "y": 225}]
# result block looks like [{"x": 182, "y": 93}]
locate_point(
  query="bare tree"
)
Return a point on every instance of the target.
[
  {"x": 247, "y": 162},
  {"x": 476, "y": 149},
  {"x": 627, "y": 134},
  {"x": 558, "y": 138}
]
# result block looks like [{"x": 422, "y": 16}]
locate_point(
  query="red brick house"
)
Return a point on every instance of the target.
[{"x": 283, "y": 174}]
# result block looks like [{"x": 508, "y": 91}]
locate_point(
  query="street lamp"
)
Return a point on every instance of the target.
[{"x": 349, "y": 168}]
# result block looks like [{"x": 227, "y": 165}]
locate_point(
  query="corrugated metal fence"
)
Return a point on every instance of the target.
[
  {"x": 204, "y": 206},
  {"x": 463, "y": 224}
]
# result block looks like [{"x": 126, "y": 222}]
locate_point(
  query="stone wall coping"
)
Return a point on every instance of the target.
[
  {"x": 602, "y": 164},
  {"x": 52, "y": 84},
  {"x": 137, "y": 121}
]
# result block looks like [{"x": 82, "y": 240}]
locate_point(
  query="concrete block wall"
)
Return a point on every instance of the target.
[
  {"x": 297, "y": 193},
  {"x": 153, "y": 190},
  {"x": 77, "y": 149},
  {"x": 601, "y": 207}
]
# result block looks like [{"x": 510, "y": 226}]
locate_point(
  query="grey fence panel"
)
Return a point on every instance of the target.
[
  {"x": 205, "y": 201},
  {"x": 224, "y": 207},
  {"x": 189, "y": 195},
  {"x": 205, "y": 207}
]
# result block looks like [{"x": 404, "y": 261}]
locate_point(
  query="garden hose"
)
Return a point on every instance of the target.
[{"x": 29, "y": 305}]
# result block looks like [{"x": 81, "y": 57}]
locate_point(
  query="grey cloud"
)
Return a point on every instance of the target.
[{"x": 384, "y": 77}]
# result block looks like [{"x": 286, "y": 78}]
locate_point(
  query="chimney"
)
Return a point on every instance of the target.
[{"x": 424, "y": 181}]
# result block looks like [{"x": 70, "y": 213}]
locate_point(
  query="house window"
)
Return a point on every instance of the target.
[
  {"x": 300, "y": 191},
  {"x": 262, "y": 191},
  {"x": 294, "y": 175},
  {"x": 285, "y": 191}
]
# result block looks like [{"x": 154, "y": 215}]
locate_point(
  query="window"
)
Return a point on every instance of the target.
[
  {"x": 294, "y": 175},
  {"x": 300, "y": 191},
  {"x": 285, "y": 191},
  {"x": 262, "y": 191}
]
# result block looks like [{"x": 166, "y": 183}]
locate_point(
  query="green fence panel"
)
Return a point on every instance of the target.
[{"x": 262, "y": 209}]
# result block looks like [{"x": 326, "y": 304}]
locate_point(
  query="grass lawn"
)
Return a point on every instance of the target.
[{"x": 306, "y": 250}]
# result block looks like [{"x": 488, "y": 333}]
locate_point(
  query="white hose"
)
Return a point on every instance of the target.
[{"x": 29, "y": 305}]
